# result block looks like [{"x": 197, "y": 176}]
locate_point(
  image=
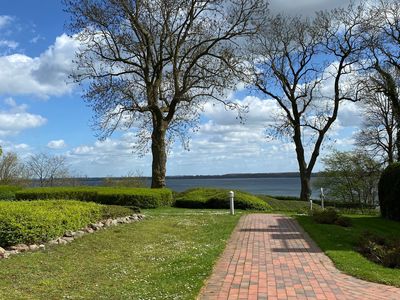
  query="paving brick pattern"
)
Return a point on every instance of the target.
[{"x": 271, "y": 257}]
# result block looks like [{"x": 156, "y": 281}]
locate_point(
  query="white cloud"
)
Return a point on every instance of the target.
[
  {"x": 8, "y": 44},
  {"x": 15, "y": 119},
  {"x": 56, "y": 144},
  {"x": 5, "y": 21},
  {"x": 42, "y": 76}
]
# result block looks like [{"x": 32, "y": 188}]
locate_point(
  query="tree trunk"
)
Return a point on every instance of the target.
[
  {"x": 158, "y": 149},
  {"x": 305, "y": 180},
  {"x": 398, "y": 137},
  {"x": 305, "y": 183}
]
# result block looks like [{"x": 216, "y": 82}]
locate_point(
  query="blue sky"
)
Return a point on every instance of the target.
[{"x": 41, "y": 112}]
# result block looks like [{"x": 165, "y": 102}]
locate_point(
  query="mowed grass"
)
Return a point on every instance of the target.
[
  {"x": 169, "y": 255},
  {"x": 339, "y": 244}
]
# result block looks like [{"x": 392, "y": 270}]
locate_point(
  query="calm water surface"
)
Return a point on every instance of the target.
[
  {"x": 275, "y": 186},
  {"x": 270, "y": 186}
]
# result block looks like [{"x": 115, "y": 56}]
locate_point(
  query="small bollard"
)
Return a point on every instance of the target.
[
  {"x": 322, "y": 196},
  {"x": 231, "y": 202},
  {"x": 310, "y": 204}
]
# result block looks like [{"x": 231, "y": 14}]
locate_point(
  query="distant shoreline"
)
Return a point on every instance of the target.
[
  {"x": 233, "y": 175},
  {"x": 243, "y": 175}
]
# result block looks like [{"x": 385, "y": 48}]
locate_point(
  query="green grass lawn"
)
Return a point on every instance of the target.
[
  {"x": 339, "y": 243},
  {"x": 166, "y": 256}
]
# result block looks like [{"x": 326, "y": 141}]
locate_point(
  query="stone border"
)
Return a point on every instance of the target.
[{"x": 69, "y": 236}]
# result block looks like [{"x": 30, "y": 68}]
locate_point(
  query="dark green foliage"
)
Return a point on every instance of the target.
[
  {"x": 287, "y": 205},
  {"x": 288, "y": 198},
  {"x": 343, "y": 221},
  {"x": 115, "y": 211},
  {"x": 139, "y": 197},
  {"x": 218, "y": 198},
  {"x": 326, "y": 216},
  {"x": 330, "y": 216},
  {"x": 381, "y": 250},
  {"x": 7, "y": 192},
  {"x": 42, "y": 193},
  {"x": 344, "y": 204},
  {"x": 349, "y": 177},
  {"x": 389, "y": 192},
  {"x": 40, "y": 221}
]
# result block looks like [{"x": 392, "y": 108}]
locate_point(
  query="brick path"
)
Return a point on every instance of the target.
[{"x": 271, "y": 257}]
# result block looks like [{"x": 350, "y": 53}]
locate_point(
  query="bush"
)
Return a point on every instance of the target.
[
  {"x": 40, "y": 221},
  {"x": 139, "y": 197},
  {"x": 43, "y": 193},
  {"x": 326, "y": 216},
  {"x": 288, "y": 205},
  {"x": 345, "y": 204},
  {"x": 115, "y": 211},
  {"x": 288, "y": 198},
  {"x": 343, "y": 221},
  {"x": 389, "y": 192},
  {"x": 7, "y": 192},
  {"x": 218, "y": 198},
  {"x": 380, "y": 250}
]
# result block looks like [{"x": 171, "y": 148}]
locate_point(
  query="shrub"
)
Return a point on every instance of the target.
[
  {"x": 139, "y": 197},
  {"x": 40, "y": 221},
  {"x": 7, "y": 192},
  {"x": 288, "y": 198},
  {"x": 288, "y": 205},
  {"x": 345, "y": 204},
  {"x": 389, "y": 192},
  {"x": 218, "y": 198},
  {"x": 343, "y": 221},
  {"x": 380, "y": 250},
  {"x": 43, "y": 193},
  {"x": 115, "y": 211},
  {"x": 326, "y": 216}
]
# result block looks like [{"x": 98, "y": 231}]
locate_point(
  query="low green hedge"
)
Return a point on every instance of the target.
[
  {"x": 7, "y": 192},
  {"x": 218, "y": 198},
  {"x": 40, "y": 221},
  {"x": 139, "y": 197}
]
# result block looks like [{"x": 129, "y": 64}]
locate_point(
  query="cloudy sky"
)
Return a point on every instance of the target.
[{"x": 41, "y": 111}]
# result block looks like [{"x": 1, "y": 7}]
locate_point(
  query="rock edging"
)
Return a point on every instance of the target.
[{"x": 69, "y": 236}]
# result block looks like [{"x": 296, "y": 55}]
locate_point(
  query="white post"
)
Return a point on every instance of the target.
[
  {"x": 231, "y": 204},
  {"x": 322, "y": 198},
  {"x": 310, "y": 204}
]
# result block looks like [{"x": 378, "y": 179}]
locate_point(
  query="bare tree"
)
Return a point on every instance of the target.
[
  {"x": 11, "y": 169},
  {"x": 151, "y": 63},
  {"x": 295, "y": 59},
  {"x": 47, "y": 169},
  {"x": 382, "y": 39},
  {"x": 378, "y": 133}
]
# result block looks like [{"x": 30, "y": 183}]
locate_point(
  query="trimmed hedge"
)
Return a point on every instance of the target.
[
  {"x": 7, "y": 192},
  {"x": 344, "y": 205},
  {"x": 287, "y": 205},
  {"x": 218, "y": 198},
  {"x": 389, "y": 192},
  {"x": 139, "y": 197},
  {"x": 41, "y": 221}
]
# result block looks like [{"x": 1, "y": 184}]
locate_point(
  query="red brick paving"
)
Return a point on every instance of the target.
[{"x": 271, "y": 257}]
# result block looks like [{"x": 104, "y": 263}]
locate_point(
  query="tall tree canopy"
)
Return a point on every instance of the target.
[
  {"x": 303, "y": 64},
  {"x": 150, "y": 64}
]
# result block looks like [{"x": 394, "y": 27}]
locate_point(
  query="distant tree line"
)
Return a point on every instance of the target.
[{"x": 39, "y": 169}]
